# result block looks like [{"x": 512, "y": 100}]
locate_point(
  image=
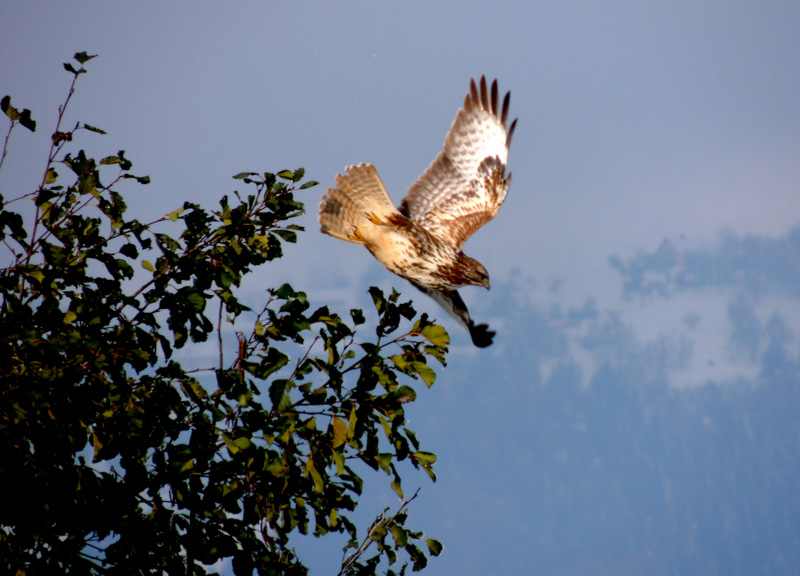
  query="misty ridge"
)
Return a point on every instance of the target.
[{"x": 670, "y": 452}]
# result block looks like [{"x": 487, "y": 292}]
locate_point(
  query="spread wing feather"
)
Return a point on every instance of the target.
[
  {"x": 466, "y": 184},
  {"x": 358, "y": 194}
]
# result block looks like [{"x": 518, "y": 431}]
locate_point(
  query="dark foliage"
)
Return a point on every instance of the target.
[{"x": 118, "y": 458}]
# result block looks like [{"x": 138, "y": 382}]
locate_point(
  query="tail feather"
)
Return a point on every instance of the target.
[
  {"x": 345, "y": 208},
  {"x": 452, "y": 302}
]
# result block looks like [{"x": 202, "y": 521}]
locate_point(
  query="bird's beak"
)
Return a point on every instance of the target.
[{"x": 487, "y": 284}]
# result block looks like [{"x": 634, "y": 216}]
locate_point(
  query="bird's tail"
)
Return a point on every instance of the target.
[
  {"x": 452, "y": 302},
  {"x": 359, "y": 196}
]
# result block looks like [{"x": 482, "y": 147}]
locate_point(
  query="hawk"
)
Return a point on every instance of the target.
[{"x": 459, "y": 192}]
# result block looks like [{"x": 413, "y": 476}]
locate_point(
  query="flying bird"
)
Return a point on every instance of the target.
[{"x": 459, "y": 192}]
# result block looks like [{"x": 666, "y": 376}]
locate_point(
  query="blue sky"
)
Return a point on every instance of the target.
[{"x": 637, "y": 123}]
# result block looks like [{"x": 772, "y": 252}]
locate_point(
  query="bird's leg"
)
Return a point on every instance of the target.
[
  {"x": 375, "y": 219},
  {"x": 356, "y": 234}
]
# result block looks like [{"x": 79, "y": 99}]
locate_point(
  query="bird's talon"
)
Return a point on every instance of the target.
[
  {"x": 357, "y": 234},
  {"x": 374, "y": 219}
]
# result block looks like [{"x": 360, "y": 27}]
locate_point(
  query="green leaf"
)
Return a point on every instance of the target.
[
  {"x": 395, "y": 484},
  {"x": 351, "y": 426},
  {"x": 338, "y": 457},
  {"x": 34, "y": 272},
  {"x": 406, "y": 394},
  {"x": 400, "y": 535},
  {"x": 418, "y": 559},
  {"x": 286, "y": 175},
  {"x": 357, "y": 316},
  {"x": 424, "y": 458},
  {"x": 5, "y": 104},
  {"x": 319, "y": 484},
  {"x": 8, "y": 109},
  {"x": 69, "y": 317},
  {"x": 434, "y": 546},
  {"x": 98, "y": 446},
  {"x": 242, "y": 175},
  {"x": 339, "y": 432},
  {"x": 387, "y": 429},
  {"x": 287, "y": 235},
  {"x": 192, "y": 388},
  {"x": 384, "y": 460},
  {"x": 233, "y": 448},
  {"x": 26, "y": 120},
  {"x": 426, "y": 372},
  {"x": 23, "y": 117},
  {"x": 236, "y": 445},
  {"x": 243, "y": 442},
  {"x": 83, "y": 57},
  {"x": 196, "y": 300},
  {"x": 437, "y": 335},
  {"x": 175, "y": 214},
  {"x": 95, "y": 129},
  {"x": 148, "y": 266}
]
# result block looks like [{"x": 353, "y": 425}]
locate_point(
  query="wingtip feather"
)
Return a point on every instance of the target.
[
  {"x": 511, "y": 132},
  {"x": 484, "y": 94}
]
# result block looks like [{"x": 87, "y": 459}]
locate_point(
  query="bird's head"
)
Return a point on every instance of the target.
[{"x": 475, "y": 273}]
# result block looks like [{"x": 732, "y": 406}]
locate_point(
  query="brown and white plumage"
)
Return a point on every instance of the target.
[{"x": 458, "y": 193}]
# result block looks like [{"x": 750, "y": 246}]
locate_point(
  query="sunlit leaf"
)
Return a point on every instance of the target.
[
  {"x": 339, "y": 431},
  {"x": 108, "y": 160},
  {"x": 395, "y": 484},
  {"x": 384, "y": 460},
  {"x": 351, "y": 427},
  {"x": 424, "y": 458},
  {"x": 98, "y": 446},
  {"x": 426, "y": 372},
  {"x": 233, "y": 448},
  {"x": 91, "y": 128},
  {"x": 338, "y": 458},
  {"x": 8, "y": 109},
  {"x": 319, "y": 484},
  {"x": 437, "y": 335}
]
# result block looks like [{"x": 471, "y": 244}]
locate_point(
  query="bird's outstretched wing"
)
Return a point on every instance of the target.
[{"x": 466, "y": 184}]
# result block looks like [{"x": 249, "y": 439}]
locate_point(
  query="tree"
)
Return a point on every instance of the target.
[{"x": 119, "y": 458}]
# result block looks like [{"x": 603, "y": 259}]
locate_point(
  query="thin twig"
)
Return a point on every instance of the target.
[
  {"x": 5, "y": 144},
  {"x": 219, "y": 336},
  {"x": 348, "y": 562}
]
